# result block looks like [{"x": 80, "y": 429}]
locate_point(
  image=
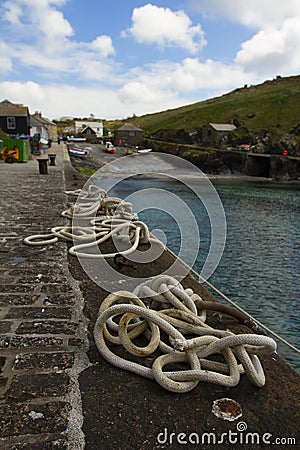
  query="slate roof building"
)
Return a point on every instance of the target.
[
  {"x": 95, "y": 127},
  {"x": 128, "y": 134},
  {"x": 37, "y": 121},
  {"x": 14, "y": 118},
  {"x": 216, "y": 133}
]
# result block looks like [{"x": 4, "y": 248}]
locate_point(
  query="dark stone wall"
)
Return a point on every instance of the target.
[{"x": 232, "y": 162}]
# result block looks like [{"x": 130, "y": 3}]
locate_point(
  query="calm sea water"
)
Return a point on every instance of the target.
[{"x": 259, "y": 269}]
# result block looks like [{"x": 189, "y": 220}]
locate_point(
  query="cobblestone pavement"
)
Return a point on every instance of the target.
[{"x": 42, "y": 330}]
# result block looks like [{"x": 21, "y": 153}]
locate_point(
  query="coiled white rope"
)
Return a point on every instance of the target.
[
  {"x": 139, "y": 319},
  {"x": 126, "y": 231},
  {"x": 96, "y": 202},
  {"x": 114, "y": 219}
]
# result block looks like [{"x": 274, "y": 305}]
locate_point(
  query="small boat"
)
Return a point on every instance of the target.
[
  {"x": 76, "y": 139},
  {"x": 109, "y": 148},
  {"x": 144, "y": 150},
  {"x": 78, "y": 152}
]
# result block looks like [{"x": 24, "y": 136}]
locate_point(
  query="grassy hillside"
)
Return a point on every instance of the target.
[{"x": 273, "y": 106}]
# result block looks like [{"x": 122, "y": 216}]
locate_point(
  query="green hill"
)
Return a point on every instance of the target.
[{"x": 272, "y": 107}]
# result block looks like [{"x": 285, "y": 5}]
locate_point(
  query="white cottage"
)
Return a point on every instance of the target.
[{"x": 96, "y": 127}]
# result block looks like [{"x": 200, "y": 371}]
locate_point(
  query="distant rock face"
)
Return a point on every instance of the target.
[
  {"x": 234, "y": 162},
  {"x": 272, "y": 166}
]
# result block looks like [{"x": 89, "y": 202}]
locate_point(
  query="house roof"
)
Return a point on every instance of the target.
[
  {"x": 42, "y": 119},
  {"x": 223, "y": 126},
  {"x": 129, "y": 127},
  {"x": 7, "y": 102},
  {"x": 14, "y": 111},
  {"x": 36, "y": 121},
  {"x": 87, "y": 128}
]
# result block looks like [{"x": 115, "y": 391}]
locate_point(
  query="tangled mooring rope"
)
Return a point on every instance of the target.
[
  {"x": 109, "y": 217},
  {"x": 170, "y": 313},
  {"x": 94, "y": 201}
]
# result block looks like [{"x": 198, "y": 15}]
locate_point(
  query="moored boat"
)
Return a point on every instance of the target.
[
  {"x": 144, "y": 150},
  {"x": 78, "y": 152},
  {"x": 75, "y": 139}
]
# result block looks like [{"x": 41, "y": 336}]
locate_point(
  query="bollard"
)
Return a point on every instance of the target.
[
  {"x": 52, "y": 157},
  {"x": 43, "y": 166}
]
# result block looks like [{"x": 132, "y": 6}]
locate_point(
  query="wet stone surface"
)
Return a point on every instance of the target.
[
  {"x": 20, "y": 419},
  {"x": 47, "y": 328},
  {"x": 25, "y": 387},
  {"x": 39, "y": 314},
  {"x": 57, "y": 444},
  {"x": 44, "y": 361}
]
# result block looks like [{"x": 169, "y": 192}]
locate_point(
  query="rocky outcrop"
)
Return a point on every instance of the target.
[{"x": 234, "y": 162}]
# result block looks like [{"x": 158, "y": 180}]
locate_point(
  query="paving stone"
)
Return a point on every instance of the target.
[
  {"x": 75, "y": 342},
  {"x": 57, "y": 444},
  {"x": 56, "y": 288},
  {"x": 36, "y": 276},
  {"x": 25, "y": 387},
  {"x": 19, "y": 288},
  {"x": 44, "y": 361},
  {"x": 53, "y": 327},
  {"x": 3, "y": 383},
  {"x": 39, "y": 313},
  {"x": 2, "y": 362},
  {"x": 18, "y": 299},
  {"x": 67, "y": 299},
  {"x": 5, "y": 327},
  {"x": 22, "y": 341},
  {"x": 22, "y": 419}
]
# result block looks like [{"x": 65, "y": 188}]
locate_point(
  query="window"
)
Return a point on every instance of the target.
[
  {"x": 11, "y": 123},
  {"x": 131, "y": 133}
]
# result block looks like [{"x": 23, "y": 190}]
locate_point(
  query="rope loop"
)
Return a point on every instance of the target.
[
  {"x": 41, "y": 239},
  {"x": 146, "y": 319}
]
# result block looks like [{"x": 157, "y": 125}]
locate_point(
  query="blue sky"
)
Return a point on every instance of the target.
[{"x": 117, "y": 58}]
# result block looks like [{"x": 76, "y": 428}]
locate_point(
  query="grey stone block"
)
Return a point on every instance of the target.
[{"x": 25, "y": 387}]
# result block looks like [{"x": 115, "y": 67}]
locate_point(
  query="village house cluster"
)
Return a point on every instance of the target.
[{"x": 16, "y": 120}]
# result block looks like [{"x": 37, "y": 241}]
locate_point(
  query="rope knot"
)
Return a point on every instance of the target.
[{"x": 179, "y": 344}]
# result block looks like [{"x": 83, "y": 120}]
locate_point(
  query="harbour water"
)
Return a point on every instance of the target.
[{"x": 259, "y": 268}]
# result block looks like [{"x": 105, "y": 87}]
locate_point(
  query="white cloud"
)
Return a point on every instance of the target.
[
  {"x": 12, "y": 13},
  {"x": 275, "y": 45},
  {"x": 161, "y": 26},
  {"x": 180, "y": 81},
  {"x": 19, "y": 92},
  {"x": 103, "y": 45},
  {"x": 134, "y": 91},
  {"x": 5, "y": 61},
  {"x": 52, "y": 28},
  {"x": 193, "y": 74},
  {"x": 273, "y": 49},
  {"x": 44, "y": 42},
  {"x": 255, "y": 13},
  {"x": 53, "y": 24},
  {"x": 78, "y": 101}
]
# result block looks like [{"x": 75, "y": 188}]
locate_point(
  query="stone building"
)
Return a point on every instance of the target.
[
  {"x": 128, "y": 134},
  {"x": 215, "y": 134}
]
